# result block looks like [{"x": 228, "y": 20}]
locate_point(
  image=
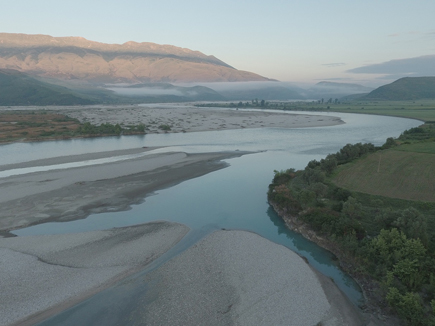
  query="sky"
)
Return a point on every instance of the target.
[{"x": 300, "y": 41}]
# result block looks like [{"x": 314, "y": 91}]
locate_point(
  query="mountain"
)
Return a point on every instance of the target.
[
  {"x": 407, "y": 88},
  {"x": 131, "y": 62},
  {"x": 17, "y": 88},
  {"x": 334, "y": 90}
]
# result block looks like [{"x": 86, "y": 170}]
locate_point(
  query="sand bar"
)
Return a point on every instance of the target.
[
  {"x": 40, "y": 273},
  {"x": 228, "y": 278},
  {"x": 187, "y": 118},
  {"x": 71, "y": 193}
]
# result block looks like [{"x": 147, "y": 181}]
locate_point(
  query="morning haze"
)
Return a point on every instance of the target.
[{"x": 218, "y": 163}]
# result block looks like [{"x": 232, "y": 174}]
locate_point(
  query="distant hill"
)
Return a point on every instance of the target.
[
  {"x": 407, "y": 88},
  {"x": 131, "y": 62},
  {"x": 334, "y": 90},
  {"x": 17, "y": 88}
]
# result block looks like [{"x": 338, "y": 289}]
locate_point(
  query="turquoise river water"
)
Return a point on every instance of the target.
[{"x": 231, "y": 198}]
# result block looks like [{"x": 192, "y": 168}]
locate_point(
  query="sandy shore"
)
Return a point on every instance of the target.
[
  {"x": 242, "y": 279},
  {"x": 71, "y": 193},
  {"x": 187, "y": 118},
  {"x": 228, "y": 278},
  {"x": 41, "y": 274}
]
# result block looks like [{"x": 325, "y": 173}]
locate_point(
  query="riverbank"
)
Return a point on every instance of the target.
[
  {"x": 67, "y": 193},
  {"x": 374, "y": 305}
]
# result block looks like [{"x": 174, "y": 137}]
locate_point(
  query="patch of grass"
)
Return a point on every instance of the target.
[
  {"x": 165, "y": 127},
  {"x": 391, "y": 173},
  {"x": 427, "y": 147}
]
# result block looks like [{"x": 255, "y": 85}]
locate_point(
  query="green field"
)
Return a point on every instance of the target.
[
  {"x": 419, "y": 109},
  {"x": 392, "y": 173},
  {"x": 428, "y": 147}
]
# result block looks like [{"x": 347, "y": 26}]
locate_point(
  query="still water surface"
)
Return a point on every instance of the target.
[{"x": 231, "y": 198}]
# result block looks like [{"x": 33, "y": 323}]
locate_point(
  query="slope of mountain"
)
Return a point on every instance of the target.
[
  {"x": 78, "y": 58},
  {"x": 17, "y": 88},
  {"x": 407, "y": 88}
]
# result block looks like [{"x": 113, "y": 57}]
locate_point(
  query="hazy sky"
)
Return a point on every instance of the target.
[{"x": 299, "y": 41}]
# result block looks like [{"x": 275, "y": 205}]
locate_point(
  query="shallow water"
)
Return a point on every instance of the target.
[{"x": 231, "y": 198}]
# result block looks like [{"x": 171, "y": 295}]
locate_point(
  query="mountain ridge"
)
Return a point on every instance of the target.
[{"x": 79, "y": 58}]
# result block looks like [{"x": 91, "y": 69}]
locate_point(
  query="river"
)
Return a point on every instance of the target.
[{"x": 231, "y": 198}]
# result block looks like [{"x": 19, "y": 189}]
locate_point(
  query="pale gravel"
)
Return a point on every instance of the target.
[
  {"x": 238, "y": 278},
  {"x": 184, "y": 117},
  {"x": 76, "y": 192},
  {"x": 39, "y": 272},
  {"x": 188, "y": 118}
]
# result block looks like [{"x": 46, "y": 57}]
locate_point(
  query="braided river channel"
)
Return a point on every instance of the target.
[{"x": 232, "y": 198}]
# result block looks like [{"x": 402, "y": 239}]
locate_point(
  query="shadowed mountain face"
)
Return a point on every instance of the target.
[
  {"x": 17, "y": 88},
  {"x": 78, "y": 58}
]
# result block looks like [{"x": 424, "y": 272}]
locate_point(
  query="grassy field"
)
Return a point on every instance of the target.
[
  {"x": 420, "y": 109},
  {"x": 393, "y": 173},
  {"x": 427, "y": 147}
]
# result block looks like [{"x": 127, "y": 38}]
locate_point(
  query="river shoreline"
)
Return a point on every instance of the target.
[{"x": 374, "y": 305}]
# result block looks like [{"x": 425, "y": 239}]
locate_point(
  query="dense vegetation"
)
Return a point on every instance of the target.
[{"x": 391, "y": 241}]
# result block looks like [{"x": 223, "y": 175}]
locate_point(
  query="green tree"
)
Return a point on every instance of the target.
[
  {"x": 408, "y": 306},
  {"x": 352, "y": 207},
  {"x": 413, "y": 224}
]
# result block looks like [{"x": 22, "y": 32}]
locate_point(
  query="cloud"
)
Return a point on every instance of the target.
[
  {"x": 394, "y": 35},
  {"x": 418, "y": 66},
  {"x": 145, "y": 91},
  {"x": 334, "y": 64},
  {"x": 335, "y": 79}
]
